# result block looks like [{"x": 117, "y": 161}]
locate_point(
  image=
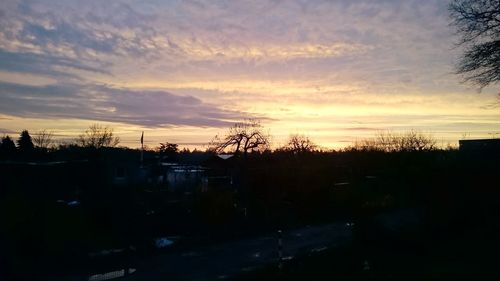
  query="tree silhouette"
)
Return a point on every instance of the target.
[
  {"x": 393, "y": 142},
  {"x": 25, "y": 143},
  {"x": 97, "y": 136},
  {"x": 168, "y": 150},
  {"x": 243, "y": 137},
  {"x": 299, "y": 144},
  {"x": 7, "y": 147},
  {"x": 43, "y": 139},
  {"x": 478, "y": 24}
]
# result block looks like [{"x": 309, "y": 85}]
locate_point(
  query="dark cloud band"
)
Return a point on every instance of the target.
[{"x": 100, "y": 102}]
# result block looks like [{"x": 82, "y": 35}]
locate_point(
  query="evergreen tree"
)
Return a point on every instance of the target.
[
  {"x": 25, "y": 143},
  {"x": 7, "y": 147}
]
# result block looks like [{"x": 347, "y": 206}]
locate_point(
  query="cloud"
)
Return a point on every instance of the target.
[
  {"x": 4, "y": 131},
  {"x": 283, "y": 40},
  {"x": 264, "y": 53},
  {"x": 291, "y": 61},
  {"x": 99, "y": 102},
  {"x": 361, "y": 129},
  {"x": 45, "y": 64},
  {"x": 73, "y": 29},
  {"x": 62, "y": 39}
]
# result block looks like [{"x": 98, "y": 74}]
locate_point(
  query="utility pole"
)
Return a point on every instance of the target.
[{"x": 280, "y": 249}]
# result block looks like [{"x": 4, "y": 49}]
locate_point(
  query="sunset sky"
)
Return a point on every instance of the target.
[{"x": 183, "y": 71}]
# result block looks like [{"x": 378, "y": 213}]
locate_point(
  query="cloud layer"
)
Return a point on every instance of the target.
[
  {"x": 99, "y": 102},
  {"x": 299, "y": 64}
]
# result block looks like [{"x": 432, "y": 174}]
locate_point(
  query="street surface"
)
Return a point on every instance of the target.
[{"x": 224, "y": 260}]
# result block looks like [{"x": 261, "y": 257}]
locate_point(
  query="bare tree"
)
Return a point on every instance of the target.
[
  {"x": 391, "y": 142},
  {"x": 97, "y": 136},
  {"x": 478, "y": 24},
  {"x": 299, "y": 144},
  {"x": 43, "y": 139},
  {"x": 242, "y": 137},
  {"x": 416, "y": 141}
]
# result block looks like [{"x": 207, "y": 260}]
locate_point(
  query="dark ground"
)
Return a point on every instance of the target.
[
  {"x": 229, "y": 259},
  {"x": 418, "y": 216},
  {"x": 472, "y": 255}
]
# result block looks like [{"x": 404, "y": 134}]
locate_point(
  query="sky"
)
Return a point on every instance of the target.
[{"x": 184, "y": 71}]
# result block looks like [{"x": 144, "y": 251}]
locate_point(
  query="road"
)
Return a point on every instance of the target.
[
  {"x": 224, "y": 260},
  {"x": 228, "y": 259}
]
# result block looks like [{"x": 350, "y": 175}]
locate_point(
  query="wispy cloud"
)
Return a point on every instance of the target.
[
  {"x": 4, "y": 131},
  {"x": 45, "y": 64}
]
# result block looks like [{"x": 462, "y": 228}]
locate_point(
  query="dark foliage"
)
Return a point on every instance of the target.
[
  {"x": 450, "y": 190},
  {"x": 24, "y": 143},
  {"x": 7, "y": 148},
  {"x": 168, "y": 151}
]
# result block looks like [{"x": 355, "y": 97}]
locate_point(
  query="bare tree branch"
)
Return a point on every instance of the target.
[
  {"x": 299, "y": 144},
  {"x": 43, "y": 139},
  {"x": 242, "y": 137},
  {"x": 478, "y": 24},
  {"x": 393, "y": 142},
  {"x": 97, "y": 136}
]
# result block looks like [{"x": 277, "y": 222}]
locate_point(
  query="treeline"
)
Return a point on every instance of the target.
[
  {"x": 296, "y": 184},
  {"x": 96, "y": 136},
  {"x": 247, "y": 136}
]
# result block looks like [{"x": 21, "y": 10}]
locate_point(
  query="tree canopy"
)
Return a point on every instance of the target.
[
  {"x": 24, "y": 142},
  {"x": 299, "y": 144},
  {"x": 168, "y": 150},
  {"x": 7, "y": 146},
  {"x": 393, "y": 142},
  {"x": 478, "y": 24},
  {"x": 242, "y": 137},
  {"x": 98, "y": 136},
  {"x": 43, "y": 139}
]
